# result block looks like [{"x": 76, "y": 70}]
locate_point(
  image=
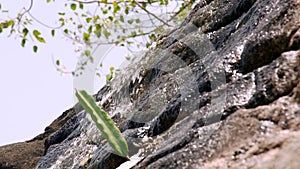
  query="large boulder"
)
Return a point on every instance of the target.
[{"x": 220, "y": 91}]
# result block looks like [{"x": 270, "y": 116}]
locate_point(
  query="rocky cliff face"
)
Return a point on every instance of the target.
[{"x": 220, "y": 91}]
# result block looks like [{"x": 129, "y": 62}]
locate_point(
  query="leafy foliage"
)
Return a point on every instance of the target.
[{"x": 97, "y": 22}]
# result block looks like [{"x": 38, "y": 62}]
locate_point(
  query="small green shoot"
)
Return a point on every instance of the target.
[{"x": 105, "y": 124}]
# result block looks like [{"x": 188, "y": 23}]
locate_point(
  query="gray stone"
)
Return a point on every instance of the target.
[{"x": 220, "y": 91}]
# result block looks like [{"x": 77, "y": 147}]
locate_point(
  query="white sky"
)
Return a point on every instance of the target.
[{"x": 33, "y": 93}]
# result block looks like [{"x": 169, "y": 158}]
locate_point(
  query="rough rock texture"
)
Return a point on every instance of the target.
[
  {"x": 25, "y": 155},
  {"x": 220, "y": 91}
]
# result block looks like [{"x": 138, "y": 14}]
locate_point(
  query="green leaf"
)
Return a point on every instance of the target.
[
  {"x": 121, "y": 18},
  {"x": 109, "y": 77},
  {"x": 80, "y": 5},
  {"x": 111, "y": 18},
  {"x": 106, "y": 33},
  {"x": 91, "y": 59},
  {"x": 111, "y": 69},
  {"x": 86, "y": 37},
  {"x": 107, "y": 127},
  {"x": 88, "y": 20},
  {"x": 36, "y": 33},
  {"x": 53, "y": 32},
  {"x": 96, "y": 18},
  {"x": 62, "y": 20},
  {"x": 57, "y": 62},
  {"x": 73, "y": 7},
  {"x": 87, "y": 53},
  {"x": 7, "y": 24},
  {"x": 23, "y": 42},
  {"x": 98, "y": 29},
  {"x": 79, "y": 26},
  {"x": 152, "y": 37},
  {"x": 25, "y": 31},
  {"x": 116, "y": 6},
  {"x": 144, "y": 4},
  {"x": 48, "y": 1},
  {"x": 66, "y": 31},
  {"x": 133, "y": 34},
  {"x": 148, "y": 45},
  {"x": 104, "y": 11},
  {"x": 130, "y": 21},
  {"x": 90, "y": 29},
  {"x": 42, "y": 40},
  {"x": 127, "y": 10},
  {"x": 35, "y": 48}
]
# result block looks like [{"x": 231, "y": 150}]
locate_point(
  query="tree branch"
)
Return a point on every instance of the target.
[
  {"x": 150, "y": 13},
  {"x": 100, "y": 1},
  {"x": 179, "y": 11},
  {"x": 40, "y": 22},
  {"x": 19, "y": 18},
  {"x": 26, "y": 11},
  {"x": 138, "y": 3}
]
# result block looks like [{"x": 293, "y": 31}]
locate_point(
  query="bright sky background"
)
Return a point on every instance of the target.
[{"x": 33, "y": 93}]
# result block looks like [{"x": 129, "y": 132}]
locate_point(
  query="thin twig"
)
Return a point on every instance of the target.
[
  {"x": 155, "y": 16},
  {"x": 26, "y": 10},
  {"x": 138, "y": 3},
  {"x": 40, "y": 22},
  {"x": 19, "y": 18},
  {"x": 100, "y": 1},
  {"x": 179, "y": 11}
]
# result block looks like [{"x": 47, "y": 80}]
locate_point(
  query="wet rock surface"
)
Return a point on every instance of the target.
[{"x": 220, "y": 91}]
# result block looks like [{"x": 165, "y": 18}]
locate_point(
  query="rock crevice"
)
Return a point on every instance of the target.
[{"x": 220, "y": 91}]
